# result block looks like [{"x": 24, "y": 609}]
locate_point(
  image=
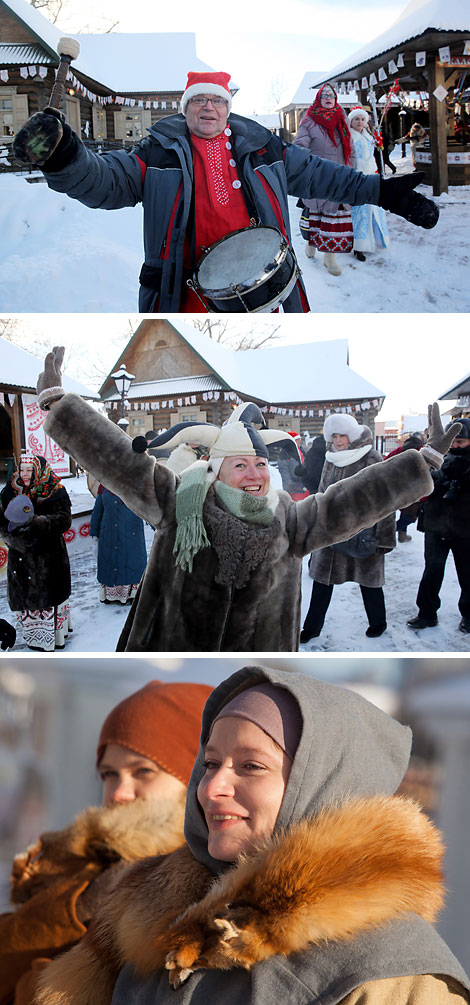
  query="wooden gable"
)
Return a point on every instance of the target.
[{"x": 158, "y": 352}]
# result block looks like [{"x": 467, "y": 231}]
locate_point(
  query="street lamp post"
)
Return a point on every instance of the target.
[{"x": 123, "y": 381}]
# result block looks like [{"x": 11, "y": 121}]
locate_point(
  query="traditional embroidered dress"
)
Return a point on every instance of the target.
[
  {"x": 324, "y": 224},
  {"x": 38, "y": 566},
  {"x": 369, "y": 222},
  {"x": 219, "y": 205}
]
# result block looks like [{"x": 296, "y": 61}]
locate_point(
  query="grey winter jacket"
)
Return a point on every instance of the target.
[
  {"x": 159, "y": 173},
  {"x": 332, "y": 567},
  {"x": 243, "y": 593}
]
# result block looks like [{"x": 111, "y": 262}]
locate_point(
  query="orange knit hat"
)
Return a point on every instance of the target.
[{"x": 161, "y": 722}]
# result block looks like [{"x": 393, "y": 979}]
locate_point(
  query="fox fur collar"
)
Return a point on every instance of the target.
[
  {"x": 332, "y": 878},
  {"x": 100, "y": 835}
]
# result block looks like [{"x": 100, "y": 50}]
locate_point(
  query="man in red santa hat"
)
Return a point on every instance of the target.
[{"x": 201, "y": 175}]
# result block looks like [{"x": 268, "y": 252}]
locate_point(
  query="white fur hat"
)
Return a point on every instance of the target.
[
  {"x": 342, "y": 423},
  {"x": 356, "y": 111}
]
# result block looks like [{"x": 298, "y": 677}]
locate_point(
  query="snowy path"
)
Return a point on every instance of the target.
[
  {"x": 59, "y": 256},
  {"x": 97, "y": 626}
]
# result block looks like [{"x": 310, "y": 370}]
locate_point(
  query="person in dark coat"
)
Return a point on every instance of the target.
[
  {"x": 409, "y": 513},
  {"x": 38, "y": 574},
  {"x": 312, "y": 467},
  {"x": 122, "y": 555},
  {"x": 446, "y": 524},
  {"x": 349, "y": 450}
]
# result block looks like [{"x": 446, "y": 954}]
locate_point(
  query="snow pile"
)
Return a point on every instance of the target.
[{"x": 60, "y": 256}]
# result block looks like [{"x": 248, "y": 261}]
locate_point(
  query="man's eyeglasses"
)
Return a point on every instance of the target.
[{"x": 199, "y": 102}]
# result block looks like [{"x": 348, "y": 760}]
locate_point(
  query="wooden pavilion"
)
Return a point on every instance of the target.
[{"x": 426, "y": 49}]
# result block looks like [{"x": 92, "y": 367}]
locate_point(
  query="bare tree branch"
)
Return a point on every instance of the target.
[{"x": 231, "y": 335}]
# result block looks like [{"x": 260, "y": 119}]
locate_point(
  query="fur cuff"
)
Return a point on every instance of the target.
[
  {"x": 48, "y": 395},
  {"x": 432, "y": 456}
]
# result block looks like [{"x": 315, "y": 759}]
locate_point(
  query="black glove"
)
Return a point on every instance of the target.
[
  {"x": 397, "y": 195},
  {"x": 7, "y": 635},
  {"x": 46, "y": 139}
]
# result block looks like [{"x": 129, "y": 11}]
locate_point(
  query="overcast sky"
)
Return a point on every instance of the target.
[
  {"x": 411, "y": 358},
  {"x": 266, "y": 46}
]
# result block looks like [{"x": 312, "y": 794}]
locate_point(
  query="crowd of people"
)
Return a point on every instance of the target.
[
  {"x": 224, "y": 572},
  {"x": 206, "y": 176}
]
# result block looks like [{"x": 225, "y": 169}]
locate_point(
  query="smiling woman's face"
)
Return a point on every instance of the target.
[
  {"x": 251, "y": 474},
  {"x": 243, "y": 786}
]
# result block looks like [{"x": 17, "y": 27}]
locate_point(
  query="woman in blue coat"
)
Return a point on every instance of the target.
[{"x": 122, "y": 555}]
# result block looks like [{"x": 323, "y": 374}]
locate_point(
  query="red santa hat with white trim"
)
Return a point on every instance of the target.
[{"x": 207, "y": 83}]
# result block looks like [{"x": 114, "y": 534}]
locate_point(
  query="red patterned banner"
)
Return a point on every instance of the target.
[{"x": 38, "y": 442}]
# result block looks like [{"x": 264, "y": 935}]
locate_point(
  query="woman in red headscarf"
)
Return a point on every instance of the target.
[
  {"x": 326, "y": 225},
  {"x": 38, "y": 572}
]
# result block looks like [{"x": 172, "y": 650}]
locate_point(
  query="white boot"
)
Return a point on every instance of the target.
[
  {"x": 310, "y": 250},
  {"x": 330, "y": 263}
]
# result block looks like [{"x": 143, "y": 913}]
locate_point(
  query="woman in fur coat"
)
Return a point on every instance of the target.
[
  {"x": 303, "y": 878},
  {"x": 369, "y": 223},
  {"x": 327, "y": 225},
  {"x": 38, "y": 574},
  {"x": 145, "y": 753},
  {"x": 224, "y": 572},
  {"x": 349, "y": 450}
]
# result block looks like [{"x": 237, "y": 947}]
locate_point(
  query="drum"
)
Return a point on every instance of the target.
[{"x": 253, "y": 269}]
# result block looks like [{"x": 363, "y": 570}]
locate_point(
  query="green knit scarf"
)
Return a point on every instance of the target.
[{"x": 191, "y": 534}]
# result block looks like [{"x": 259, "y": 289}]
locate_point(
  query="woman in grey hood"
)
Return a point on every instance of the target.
[{"x": 303, "y": 879}]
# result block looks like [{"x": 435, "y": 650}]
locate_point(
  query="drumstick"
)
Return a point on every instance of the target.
[
  {"x": 68, "y": 49},
  {"x": 41, "y": 134}
]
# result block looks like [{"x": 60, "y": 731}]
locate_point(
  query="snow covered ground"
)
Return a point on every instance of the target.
[
  {"x": 59, "y": 256},
  {"x": 97, "y": 626}
]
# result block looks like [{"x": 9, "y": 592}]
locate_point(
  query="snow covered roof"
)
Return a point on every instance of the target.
[
  {"x": 311, "y": 371},
  {"x": 418, "y": 18},
  {"x": 176, "y": 386},
  {"x": 460, "y": 387},
  {"x": 139, "y": 62},
  {"x": 19, "y": 368},
  {"x": 44, "y": 30},
  {"x": 122, "y": 62}
]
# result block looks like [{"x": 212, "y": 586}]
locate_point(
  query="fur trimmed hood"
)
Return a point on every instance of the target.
[{"x": 330, "y": 879}]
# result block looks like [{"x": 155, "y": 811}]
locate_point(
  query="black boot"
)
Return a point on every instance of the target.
[
  {"x": 377, "y": 631},
  {"x": 421, "y": 622},
  {"x": 360, "y": 256}
]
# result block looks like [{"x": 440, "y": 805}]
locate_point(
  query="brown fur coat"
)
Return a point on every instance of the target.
[
  {"x": 333, "y": 567},
  {"x": 57, "y": 884},
  {"x": 350, "y": 869},
  {"x": 244, "y": 591}
]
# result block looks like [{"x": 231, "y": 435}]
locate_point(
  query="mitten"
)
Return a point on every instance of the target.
[
  {"x": 46, "y": 139},
  {"x": 7, "y": 635},
  {"x": 397, "y": 195},
  {"x": 49, "y": 385},
  {"x": 438, "y": 441}
]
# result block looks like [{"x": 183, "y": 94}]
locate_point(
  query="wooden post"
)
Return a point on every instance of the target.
[
  {"x": 437, "y": 122},
  {"x": 15, "y": 429}
]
